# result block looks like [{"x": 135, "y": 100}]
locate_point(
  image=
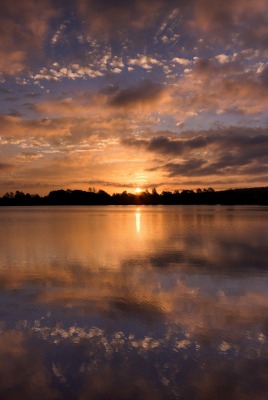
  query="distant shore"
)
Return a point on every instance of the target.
[{"x": 246, "y": 196}]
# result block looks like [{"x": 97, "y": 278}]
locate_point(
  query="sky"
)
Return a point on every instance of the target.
[{"x": 118, "y": 94}]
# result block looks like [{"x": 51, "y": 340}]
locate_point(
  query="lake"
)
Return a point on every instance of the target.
[{"x": 125, "y": 302}]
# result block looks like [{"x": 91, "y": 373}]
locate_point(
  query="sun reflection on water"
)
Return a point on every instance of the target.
[{"x": 138, "y": 220}]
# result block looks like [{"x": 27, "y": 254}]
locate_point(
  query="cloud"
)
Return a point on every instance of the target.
[
  {"x": 58, "y": 133},
  {"x": 23, "y": 28},
  {"x": 109, "y": 104},
  {"x": 73, "y": 72},
  {"x": 108, "y": 183},
  {"x": 144, "y": 61},
  {"x": 167, "y": 146},
  {"x": 229, "y": 151},
  {"x": 215, "y": 86},
  {"x": 191, "y": 167},
  {"x": 206, "y": 63},
  {"x": 108, "y": 18},
  {"x": 119, "y": 185},
  {"x": 182, "y": 61},
  {"x": 15, "y": 128},
  {"x": 117, "y": 62},
  {"x": 176, "y": 147},
  {"x": 58, "y": 34},
  {"x": 147, "y": 95},
  {"x": 28, "y": 156},
  {"x": 223, "y": 58},
  {"x": 239, "y": 19}
]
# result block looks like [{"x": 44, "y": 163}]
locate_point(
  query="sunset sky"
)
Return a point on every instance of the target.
[{"x": 118, "y": 94}]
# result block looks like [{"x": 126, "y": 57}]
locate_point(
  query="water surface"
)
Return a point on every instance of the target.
[{"x": 155, "y": 302}]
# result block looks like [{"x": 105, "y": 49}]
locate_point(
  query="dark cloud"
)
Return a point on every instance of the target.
[
  {"x": 145, "y": 93},
  {"x": 187, "y": 168},
  {"x": 257, "y": 169},
  {"x": 168, "y": 146},
  {"x": 240, "y": 138},
  {"x": 200, "y": 167},
  {"x": 207, "y": 68},
  {"x": 165, "y": 145},
  {"x": 233, "y": 150}
]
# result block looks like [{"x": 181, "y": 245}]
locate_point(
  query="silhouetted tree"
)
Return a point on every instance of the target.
[
  {"x": 9, "y": 195},
  {"x": 80, "y": 197}
]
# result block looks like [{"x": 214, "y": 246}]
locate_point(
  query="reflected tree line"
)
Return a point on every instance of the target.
[{"x": 208, "y": 196}]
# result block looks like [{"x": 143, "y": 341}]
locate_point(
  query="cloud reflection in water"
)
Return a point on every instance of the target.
[{"x": 180, "y": 311}]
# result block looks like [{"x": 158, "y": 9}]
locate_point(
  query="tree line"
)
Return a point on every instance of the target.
[{"x": 246, "y": 196}]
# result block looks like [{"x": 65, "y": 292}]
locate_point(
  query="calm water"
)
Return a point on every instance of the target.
[{"x": 164, "y": 302}]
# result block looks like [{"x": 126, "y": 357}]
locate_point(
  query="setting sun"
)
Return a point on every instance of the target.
[{"x": 137, "y": 190}]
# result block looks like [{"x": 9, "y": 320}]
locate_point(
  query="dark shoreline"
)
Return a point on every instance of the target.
[{"x": 246, "y": 196}]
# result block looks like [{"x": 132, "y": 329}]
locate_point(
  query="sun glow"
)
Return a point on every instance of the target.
[{"x": 137, "y": 190}]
